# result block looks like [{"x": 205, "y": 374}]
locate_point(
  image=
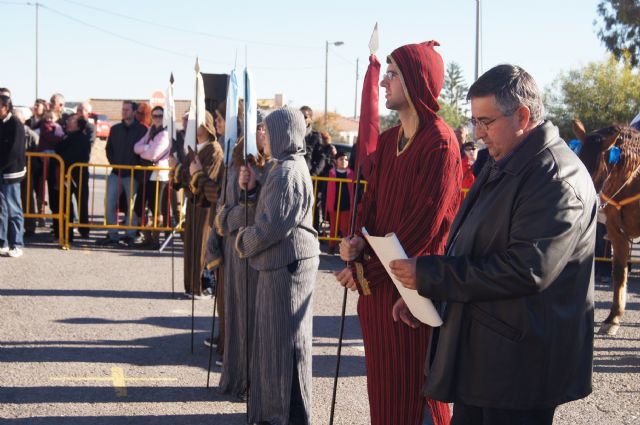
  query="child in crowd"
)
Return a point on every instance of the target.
[{"x": 339, "y": 199}]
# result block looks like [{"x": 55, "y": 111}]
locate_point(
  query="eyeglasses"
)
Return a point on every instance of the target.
[
  {"x": 470, "y": 149},
  {"x": 483, "y": 124},
  {"x": 389, "y": 75},
  {"x": 157, "y": 115}
]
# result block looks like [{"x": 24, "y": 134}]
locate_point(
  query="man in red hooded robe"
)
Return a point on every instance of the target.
[{"x": 414, "y": 191}]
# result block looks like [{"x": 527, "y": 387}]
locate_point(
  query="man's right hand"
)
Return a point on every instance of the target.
[
  {"x": 351, "y": 248},
  {"x": 345, "y": 278},
  {"x": 247, "y": 178}
]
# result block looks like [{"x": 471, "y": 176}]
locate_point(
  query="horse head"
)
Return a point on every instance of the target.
[{"x": 595, "y": 146}]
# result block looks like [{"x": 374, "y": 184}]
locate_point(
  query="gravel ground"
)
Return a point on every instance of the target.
[{"x": 96, "y": 336}]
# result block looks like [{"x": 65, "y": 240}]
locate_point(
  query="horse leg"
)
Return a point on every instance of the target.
[{"x": 619, "y": 280}]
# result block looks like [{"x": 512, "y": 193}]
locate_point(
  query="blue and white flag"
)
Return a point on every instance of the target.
[
  {"x": 196, "y": 111},
  {"x": 250, "y": 115},
  {"x": 231, "y": 118}
]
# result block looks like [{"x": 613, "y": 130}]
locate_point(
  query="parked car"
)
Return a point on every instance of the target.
[{"x": 103, "y": 125}]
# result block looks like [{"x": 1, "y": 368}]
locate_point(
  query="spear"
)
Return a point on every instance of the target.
[
  {"x": 230, "y": 139},
  {"x": 196, "y": 110},
  {"x": 250, "y": 147},
  {"x": 367, "y": 143}
]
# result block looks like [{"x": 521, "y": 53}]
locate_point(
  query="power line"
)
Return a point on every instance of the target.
[
  {"x": 200, "y": 33},
  {"x": 162, "y": 49}
]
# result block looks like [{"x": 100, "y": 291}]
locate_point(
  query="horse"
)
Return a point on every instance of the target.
[{"x": 612, "y": 157}]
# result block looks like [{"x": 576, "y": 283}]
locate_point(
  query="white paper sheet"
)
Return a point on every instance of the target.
[{"x": 387, "y": 249}]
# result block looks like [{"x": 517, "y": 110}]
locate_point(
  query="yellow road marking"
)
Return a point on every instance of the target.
[{"x": 117, "y": 378}]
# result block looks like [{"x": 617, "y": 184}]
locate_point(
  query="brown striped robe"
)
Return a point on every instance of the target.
[
  {"x": 416, "y": 194},
  {"x": 204, "y": 187}
]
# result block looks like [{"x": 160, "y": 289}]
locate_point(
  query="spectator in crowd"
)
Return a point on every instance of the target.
[
  {"x": 230, "y": 218},
  {"x": 143, "y": 114},
  {"x": 200, "y": 178},
  {"x": 76, "y": 148},
  {"x": 339, "y": 199},
  {"x": 56, "y": 104},
  {"x": 470, "y": 150},
  {"x": 461, "y": 135},
  {"x": 84, "y": 110},
  {"x": 517, "y": 277},
  {"x": 122, "y": 137},
  {"x": 313, "y": 143},
  {"x": 40, "y": 107},
  {"x": 481, "y": 159},
  {"x": 177, "y": 151},
  {"x": 414, "y": 192},
  {"x": 31, "y": 139},
  {"x": 316, "y": 161},
  {"x": 154, "y": 149},
  {"x": 282, "y": 246},
  {"x": 51, "y": 133},
  {"x": 12, "y": 170}
]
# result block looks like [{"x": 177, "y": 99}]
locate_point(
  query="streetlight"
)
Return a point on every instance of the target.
[{"x": 326, "y": 76}]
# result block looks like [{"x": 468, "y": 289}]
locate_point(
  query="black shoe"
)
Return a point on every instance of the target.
[
  {"x": 106, "y": 241},
  {"x": 209, "y": 343},
  {"x": 126, "y": 242}
]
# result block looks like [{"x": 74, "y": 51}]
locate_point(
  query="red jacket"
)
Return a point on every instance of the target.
[
  {"x": 332, "y": 190},
  {"x": 467, "y": 174}
]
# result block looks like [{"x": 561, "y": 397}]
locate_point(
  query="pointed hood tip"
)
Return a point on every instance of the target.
[{"x": 422, "y": 70}]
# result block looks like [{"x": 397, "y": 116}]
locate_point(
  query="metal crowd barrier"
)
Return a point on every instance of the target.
[
  {"x": 50, "y": 173},
  {"x": 151, "y": 225},
  {"x": 321, "y": 185}
]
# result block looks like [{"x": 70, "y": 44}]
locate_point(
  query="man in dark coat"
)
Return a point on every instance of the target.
[{"x": 516, "y": 281}]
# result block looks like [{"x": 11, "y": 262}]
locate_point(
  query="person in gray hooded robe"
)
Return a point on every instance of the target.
[
  {"x": 282, "y": 246},
  {"x": 231, "y": 216}
]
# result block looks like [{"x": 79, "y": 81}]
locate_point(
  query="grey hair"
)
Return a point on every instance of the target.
[
  {"x": 513, "y": 87},
  {"x": 87, "y": 106}
]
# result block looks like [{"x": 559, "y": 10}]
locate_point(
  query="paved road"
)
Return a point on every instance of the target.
[{"x": 95, "y": 336}]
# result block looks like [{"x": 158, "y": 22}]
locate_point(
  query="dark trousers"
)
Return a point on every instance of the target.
[{"x": 472, "y": 415}]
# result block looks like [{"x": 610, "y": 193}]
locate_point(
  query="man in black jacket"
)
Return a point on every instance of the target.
[
  {"x": 119, "y": 149},
  {"x": 12, "y": 171},
  {"x": 516, "y": 282}
]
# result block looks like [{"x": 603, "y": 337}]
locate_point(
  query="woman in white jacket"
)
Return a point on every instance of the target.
[{"x": 154, "y": 149}]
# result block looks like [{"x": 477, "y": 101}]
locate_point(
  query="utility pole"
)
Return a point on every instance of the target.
[
  {"x": 355, "y": 107},
  {"x": 478, "y": 39},
  {"x": 37, "y": 6},
  {"x": 326, "y": 76}
]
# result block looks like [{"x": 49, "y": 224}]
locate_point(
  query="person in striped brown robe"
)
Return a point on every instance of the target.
[
  {"x": 282, "y": 246},
  {"x": 414, "y": 191}
]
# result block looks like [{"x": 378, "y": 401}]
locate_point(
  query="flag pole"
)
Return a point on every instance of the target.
[{"x": 194, "y": 260}]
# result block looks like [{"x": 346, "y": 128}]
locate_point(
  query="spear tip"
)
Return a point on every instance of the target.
[
  {"x": 171, "y": 80},
  {"x": 374, "y": 42}
]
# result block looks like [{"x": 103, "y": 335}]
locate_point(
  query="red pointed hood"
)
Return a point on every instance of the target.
[{"x": 422, "y": 72}]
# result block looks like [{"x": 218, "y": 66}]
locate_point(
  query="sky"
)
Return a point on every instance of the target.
[{"x": 127, "y": 49}]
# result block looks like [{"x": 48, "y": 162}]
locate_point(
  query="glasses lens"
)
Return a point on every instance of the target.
[{"x": 157, "y": 116}]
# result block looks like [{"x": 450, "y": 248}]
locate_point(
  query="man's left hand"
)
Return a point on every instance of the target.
[
  {"x": 405, "y": 272},
  {"x": 195, "y": 166}
]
